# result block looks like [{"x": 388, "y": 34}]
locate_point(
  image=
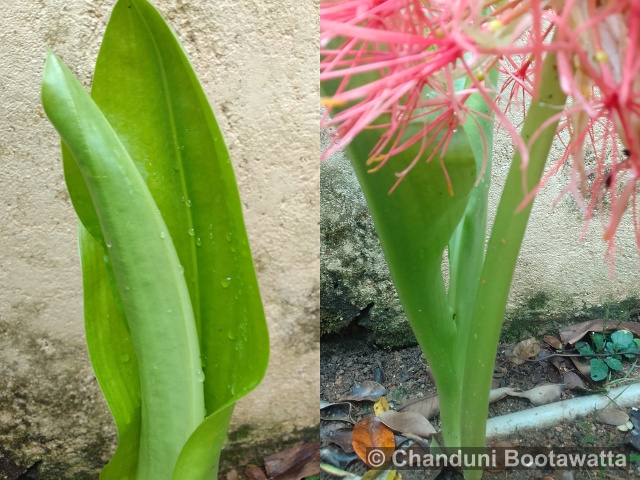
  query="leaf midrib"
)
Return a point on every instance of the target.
[{"x": 183, "y": 181}]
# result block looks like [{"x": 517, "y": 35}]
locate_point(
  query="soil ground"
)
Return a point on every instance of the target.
[{"x": 345, "y": 361}]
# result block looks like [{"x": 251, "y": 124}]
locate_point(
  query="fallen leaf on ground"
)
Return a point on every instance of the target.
[
  {"x": 366, "y": 390},
  {"x": 387, "y": 474},
  {"x": 633, "y": 438},
  {"x": 612, "y": 416},
  {"x": 338, "y": 472},
  {"x": 381, "y": 406},
  {"x": 232, "y": 474},
  {"x": 553, "y": 342},
  {"x": 583, "y": 366},
  {"x": 298, "y": 462},
  {"x": 252, "y": 472},
  {"x": 407, "y": 423},
  {"x": 327, "y": 428},
  {"x": 634, "y": 416},
  {"x": 572, "y": 380},
  {"x": 528, "y": 348},
  {"x": 501, "y": 460},
  {"x": 340, "y": 411},
  {"x": 371, "y": 433},
  {"x": 573, "y": 333},
  {"x": 342, "y": 438},
  {"x": 541, "y": 395},
  {"x": 335, "y": 456},
  {"x": 430, "y": 406},
  {"x": 559, "y": 363}
]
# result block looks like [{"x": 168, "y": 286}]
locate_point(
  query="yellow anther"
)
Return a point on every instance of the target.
[
  {"x": 331, "y": 102},
  {"x": 479, "y": 75},
  {"x": 601, "y": 56},
  {"x": 373, "y": 160},
  {"x": 495, "y": 25}
]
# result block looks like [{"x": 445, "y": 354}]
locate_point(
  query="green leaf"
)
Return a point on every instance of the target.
[
  {"x": 633, "y": 347},
  {"x": 199, "y": 457},
  {"x": 112, "y": 355},
  {"x": 599, "y": 369},
  {"x": 177, "y": 147},
  {"x": 415, "y": 224},
  {"x": 146, "y": 270},
  {"x": 613, "y": 363},
  {"x": 191, "y": 162},
  {"x": 598, "y": 341},
  {"x": 622, "y": 339},
  {"x": 584, "y": 348}
]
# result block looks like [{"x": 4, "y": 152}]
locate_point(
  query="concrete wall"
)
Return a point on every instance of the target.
[
  {"x": 561, "y": 271},
  {"x": 258, "y": 63}
]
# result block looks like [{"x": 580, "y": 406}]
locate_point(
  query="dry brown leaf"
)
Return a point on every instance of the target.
[
  {"x": 407, "y": 423},
  {"x": 429, "y": 406},
  {"x": 572, "y": 380},
  {"x": 541, "y": 395},
  {"x": 340, "y": 411},
  {"x": 553, "y": 342},
  {"x": 232, "y": 475},
  {"x": 253, "y": 472},
  {"x": 371, "y": 433},
  {"x": 501, "y": 462},
  {"x": 367, "y": 390},
  {"x": 558, "y": 363},
  {"x": 583, "y": 366},
  {"x": 612, "y": 416},
  {"x": 573, "y": 333},
  {"x": 342, "y": 438},
  {"x": 528, "y": 348},
  {"x": 298, "y": 462}
]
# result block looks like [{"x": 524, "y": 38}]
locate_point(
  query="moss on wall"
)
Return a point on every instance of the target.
[
  {"x": 249, "y": 444},
  {"x": 542, "y": 314}
]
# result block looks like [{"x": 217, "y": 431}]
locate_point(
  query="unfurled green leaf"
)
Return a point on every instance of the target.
[
  {"x": 622, "y": 339},
  {"x": 613, "y": 363},
  {"x": 598, "y": 341},
  {"x": 584, "y": 348},
  {"x": 112, "y": 355},
  {"x": 148, "y": 92},
  {"x": 146, "y": 270},
  {"x": 599, "y": 369}
]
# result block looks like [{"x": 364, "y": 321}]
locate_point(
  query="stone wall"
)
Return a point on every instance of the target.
[{"x": 561, "y": 261}]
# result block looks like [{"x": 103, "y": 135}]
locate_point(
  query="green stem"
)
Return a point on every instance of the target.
[{"x": 500, "y": 261}]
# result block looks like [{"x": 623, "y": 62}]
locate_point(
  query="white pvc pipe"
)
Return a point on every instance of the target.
[{"x": 554, "y": 413}]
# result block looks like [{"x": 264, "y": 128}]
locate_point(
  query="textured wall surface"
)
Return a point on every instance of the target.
[
  {"x": 257, "y": 62},
  {"x": 562, "y": 263}
]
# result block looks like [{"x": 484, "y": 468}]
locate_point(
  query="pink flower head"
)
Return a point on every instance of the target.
[{"x": 407, "y": 68}]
